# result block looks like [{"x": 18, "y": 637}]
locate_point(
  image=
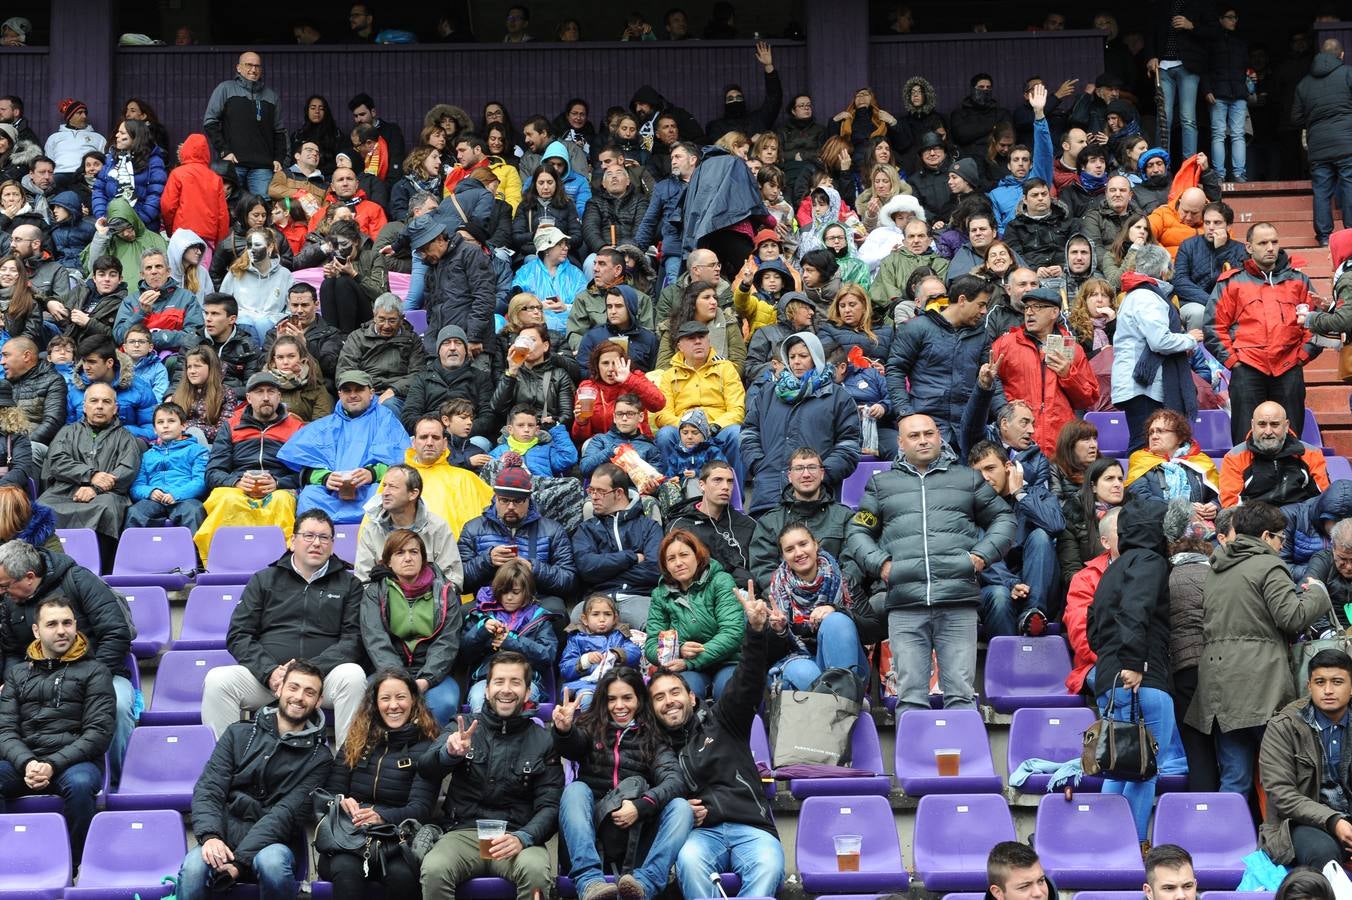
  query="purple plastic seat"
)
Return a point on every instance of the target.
[
  {"x": 163, "y": 557},
  {"x": 880, "y": 865},
  {"x": 345, "y": 542},
  {"x": 417, "y": 320},
  {"x": 852, "y": 490},
  {"x": 1211, "y": 431},
  {"x": 35, "y": 848},
  {"x": 1108, "y": 895},
  {"x": 760, "y": 750},
  {"x": 922, "y": 731},
  {"x": 1054, "y": 734},
  {"x": 150, "y": 611},
  {"x": 178, "y": 686},
  {"x": 1215, "y": 828},
  {"x": 238, "y": 551},
  {"x": 865, "y": 753},
  {"x": 81, "y": 545},
  {"x": 163, "y": 764},
  {"x": 130, "y": 852},
  {"x": 1235, "y": 895},
  {"x": 1089, "y": 842},
  {"x": 954, "y": 833},
  {"x": 486, "y": 889},
  {"x": 1309, "y": 430},
  {"x": 964, "y": 896},
  {"x": 1027, "y": 671},
  {"x": 1113, "y": 435},
  {"x": 206, "y": 618},
  {"x": 1338, "y": 467}
]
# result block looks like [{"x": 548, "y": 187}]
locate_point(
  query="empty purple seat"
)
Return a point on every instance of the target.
[
  {"x": 1215, "y": 828},
  {"x": 954, "y": 833},
  {"x": 206, "y": 618},
  {"x": 922, "y": 731},
  {"x": 852, "y": 490},
  {"x": 163, "y": 764},
  {"x": 417, "y": 320},
  {"x": 880, "y": 865},
  {"x": 965, "y": 896},
  {"x": 865, "y": 753},
  {"x": 1027, "y": 671},
  {"x": 1309, "y": 430},
  {"x": 1113, "y": 435},
  {"x": 486, "y": 889},
  {"x": 178, "y": 686},
  {"x": 81, "y": 545},
  {"x": 1089, "y": 842},
  {"x": 1053, "y": 734},
  {"x": 35, "y": 848},
  {"x": 130, "y": 852},
  {"x": 345, "y": 542},
  {"x": 165, "y": 557},
  {"x": 238, "y": 551},
  {"x": 150, "y": 611},
  {"x": 1211, "y": 431},
  {"x": 1338, "y": 467}
]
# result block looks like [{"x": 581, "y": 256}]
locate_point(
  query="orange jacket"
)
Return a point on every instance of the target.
[
  {"x": 1168, "y": 230},
  {"x": 1054, "y": 398},
  {"x": 194, "y": 196},
  {"x": 1076, "y": 617},
  {"x": 1253, "y": 318},
  {"x": 460, "y": 173},
  {"x": 1238, "y": 464},
  {"x": 370, "y": 217}
]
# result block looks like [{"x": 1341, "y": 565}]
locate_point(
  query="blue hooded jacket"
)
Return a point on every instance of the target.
[
  {"x": 554, "y": 455},
  {"x": 1007, "y": 194},
  {"x": 70, "y": 237},
  {"x": 136, "y": 400},
  {"x": 178, "y": 469},
  {"x": 575, "y": 185}
]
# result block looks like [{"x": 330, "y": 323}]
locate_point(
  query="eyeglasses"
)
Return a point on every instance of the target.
[
  {"x": 805, "y": 469},
  {"x": 1160, "y": 430},
  {"x": 625, "y": 414},
  {"x": 533, "y": 307},
  {"x": 313, "y": 537},
  {"x": 512, "y": 501},
  {"x": 136, "y": 342},
  {"x": 600, "y": 492},
  {"x": 712, "y": 265}
]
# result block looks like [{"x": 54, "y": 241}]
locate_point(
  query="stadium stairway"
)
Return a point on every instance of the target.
[{"x": 1290, "y": 206}]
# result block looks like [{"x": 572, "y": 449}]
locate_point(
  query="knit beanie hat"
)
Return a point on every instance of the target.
[
  {"x": 698, "y": 419},
  {"x": 69, "y": 107},
  {"x": 1152, "y": 153},
  {"x": 513, "y": 479},
  {"x": 968, "y": 172}
]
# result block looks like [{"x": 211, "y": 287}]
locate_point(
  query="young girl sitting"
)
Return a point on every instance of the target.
[
  {"x": 597, "y": 648},
  {"x": 506, "y": 617}
]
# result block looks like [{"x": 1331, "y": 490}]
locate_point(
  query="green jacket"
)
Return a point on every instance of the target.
[
  {"x": 1292, "y": 763},
  {"x": 895, "y": 270},
  {"x": 709, "y": 612}
]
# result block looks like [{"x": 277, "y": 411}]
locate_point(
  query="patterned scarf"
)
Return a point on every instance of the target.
[
  {"x": 792, "y": 389},
  {"x": 796, "y": 597}
]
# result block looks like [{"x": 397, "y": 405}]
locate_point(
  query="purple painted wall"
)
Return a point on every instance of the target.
[{"x": 25, "y": 75}]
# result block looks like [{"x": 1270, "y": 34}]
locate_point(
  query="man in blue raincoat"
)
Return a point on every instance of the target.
[{"x": 343, "y": 456}]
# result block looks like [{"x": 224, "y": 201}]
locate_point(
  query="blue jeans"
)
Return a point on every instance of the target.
[
  {"x": 77, "y": 787},
  {"x": 753, "y": 853},
  {"x": 671, "y": 269},
  {"x": 124, "y": 721},
  {"x": 729, "y": 440},
  {"x": 699, "y": 682},
  {"x": 394, "y": 405},
  {"x": 947, "y": 631},
  {"x": 1325, "y": 177},
  {"x": 576, "y": 826},
  {"x": 274, "y": 868},
  {"x": 1177, "y": 83},
  {"x": 1236, "y": 753},
  {"x": 417, "y": 284},
  {"x": 1227, "y": 121},
  {"x": 1158, "y": 709},
  {"x": 837, "y": 647},
  {"x": 256, "y": 180},
  {"x": 188, "y": 513},
  {"x": 444, "y": 700}
]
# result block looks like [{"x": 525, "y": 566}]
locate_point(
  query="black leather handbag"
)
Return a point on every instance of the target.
[{"x": 1122, "y": 751}]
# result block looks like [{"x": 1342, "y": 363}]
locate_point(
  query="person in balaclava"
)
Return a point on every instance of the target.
[
  {"x": 971, "y": 123},
  {"x": 737, "y": 113}
]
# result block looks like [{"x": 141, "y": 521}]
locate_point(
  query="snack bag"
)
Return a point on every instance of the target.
[
  {"x": 668, "y": 647},
  {"x": 646, "y": 479}
]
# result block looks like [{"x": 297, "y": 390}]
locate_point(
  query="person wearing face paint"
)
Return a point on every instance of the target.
[{"x": 376, "y": 773}]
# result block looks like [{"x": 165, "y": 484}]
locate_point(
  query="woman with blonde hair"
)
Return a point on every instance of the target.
[
  {"x": 22, "y": 519},
  {"x": 850, "y": 324},
  {"x": 303, "y": 389},
  {"x": 202, "y": 392},
  {"x": 527, "y": 309},
  {"x": 735, "y": 143},
  {"x": 766, "y": 148},
  {"x": 884, "y": 183},
  {"x": 1093, "y": 315}
]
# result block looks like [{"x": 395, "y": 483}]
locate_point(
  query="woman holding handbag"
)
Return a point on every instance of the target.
[
  {"x": 377, "y": 775},
  {"x": 626, "y": 800}
]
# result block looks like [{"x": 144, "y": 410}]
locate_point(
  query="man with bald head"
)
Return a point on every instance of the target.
[
  {"x": 1173, "y": 225},
  {"x": 243, "y": 121},
  {"x": 1253, "y": 327},
  {"x": 48, "y": 279},
  {"x": 345, "y": 191},
  {"x": 39, "y": 390},
  {"x": 701, "y": 265},
  {"x": 1273, "y": 464}
]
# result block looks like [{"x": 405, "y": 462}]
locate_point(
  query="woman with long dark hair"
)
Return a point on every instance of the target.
[
  {"x": 699, "y": 303},
  {"x": 249, "y": 211},
  {"x": 1101, "y": 491},
  {"x": 319, "y": 127},
  {"x": 1076, "y": 449},
  {"x": 376, "y": 771},
  {"x": 138, "y": 110},
  {"x": 20, "y": 315},
  {"x": 203, "y": 394},
  {"x": 133, "y": 170},
  {"x": 621, "y": 756}
]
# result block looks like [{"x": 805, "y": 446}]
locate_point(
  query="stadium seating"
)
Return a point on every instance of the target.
[
  {"x": 150, "y": 611},
  {"x": 81, "y": 545},
  {"x": 1051, "y": 734},
  {"x": 1027, "y": 671},
  {"x": 345, "y": 542},
  {"x": 206, "y": 618},
  {"x": 163, "y": 557},
  {"x": 865, "y": 753},
  {"x": 1215, "y": 828},
  {"x": 178, "y": 686},
  {"x": 1089, "y": 842},
  {"x": 35, "y": 849},
  {"x": 1113, "y": 435},
  {"x": 852, "y": 490},
  {"x": 922, "y": 731},
  {"x": 954, "y": 833},
  {"x": 880, "y": 865},
  {"x": 238, "y": 551},
  {"x": 1211, "y": 431},
  {"x": 130, "y": 852},
  {"x": 162, "y": 765}
]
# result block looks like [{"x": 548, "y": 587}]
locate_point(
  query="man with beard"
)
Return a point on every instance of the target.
[
  {"x": 1272, "y": 464},
  {"x": 253, "y": 798},
  {"x": 323, "y": 340},
  {"x": 734, "y": 830},
  {"x": 504, "y": 766}
]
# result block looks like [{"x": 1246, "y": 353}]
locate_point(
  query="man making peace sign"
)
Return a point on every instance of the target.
[{"x": 504, "y": 768}]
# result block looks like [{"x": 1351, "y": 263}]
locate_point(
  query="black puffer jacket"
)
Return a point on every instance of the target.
[
  {"x": 41, "y": 394},
  {"x": 606, "y": 212},
  {"x": 323, "y": 341},
  {"x": 462, "y": 289},
  {"x": 436, "y": 384},
  {"x": 824, "y": 517},
  {"x": 387, "y": 778},
  {"x": 511, "y": 772},
  {"x": 1129, "y": 620},
  {"x": 1041, "y": 242},
  {"x": 1323, "y": 105},
  {"x": 728, "y": 538},
  {"x": 605, "y": 761},
  {"x": 256, "y": 787},
  {"x": 57, "y": 711},
  {"x": 99, "y": 614}
]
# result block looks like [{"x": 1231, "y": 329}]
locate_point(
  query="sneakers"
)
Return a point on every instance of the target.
[
  {"x": 1033, "y": 623},
  {"x": 630, "y": 889},
  {"x": 600, "y": 890}
]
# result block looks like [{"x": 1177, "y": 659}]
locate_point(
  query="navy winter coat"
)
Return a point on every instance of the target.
[
  {"x": 1199, "y": 264},
  {"x": 148, "y": 187}
]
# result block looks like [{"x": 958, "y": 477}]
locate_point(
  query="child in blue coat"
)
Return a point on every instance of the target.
[
  {"x": 173, "y": 477},
  {"x": 71, "y": 231},
  {"x": 547, "y": 455},
  {"x": 868, "y": 388},
  {"x": 585, "y": 655},
  {"x": 507, "y": 617}
]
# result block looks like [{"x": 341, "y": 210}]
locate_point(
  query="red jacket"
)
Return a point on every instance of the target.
[
  {"x": 460, "y": 173},
  {"x": 194, "y": 196},
  {"x": 603, "y": 413},
  {"x": 1076, "y": 619},
  {"x": 1253, "y": 319},
  {"x": 1054, "y": 399},
  {"x": 370, "y": 217},
  {"x": 1062, "y": 175}
]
